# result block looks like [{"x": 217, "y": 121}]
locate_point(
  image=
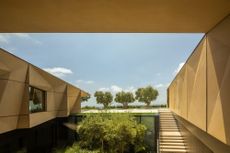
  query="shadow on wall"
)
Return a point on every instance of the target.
[{"x": 218, "y": 74}]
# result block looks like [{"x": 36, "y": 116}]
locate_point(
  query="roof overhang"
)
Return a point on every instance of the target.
[
  {"x": 84, "y": 94},
  {"x": 168, "y": 16}
]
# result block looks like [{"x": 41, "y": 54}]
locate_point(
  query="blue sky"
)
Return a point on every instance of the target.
[{"x": 106, "y": 61}]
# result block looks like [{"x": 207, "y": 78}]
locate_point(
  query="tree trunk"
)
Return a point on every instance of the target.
[
  {"x": 148, "y": 104},
  {"x": 105, "y": 106},
  {"x": 125, "y": 105},
  {"x": 102, "y": 145}
]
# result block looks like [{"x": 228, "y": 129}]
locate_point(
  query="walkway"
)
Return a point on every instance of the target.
[
  {"x": 138, "y": 110},
  {"x": 171, "y": 140}
]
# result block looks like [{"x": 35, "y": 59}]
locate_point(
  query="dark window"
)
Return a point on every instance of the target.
[{"x": 37, "y": 100}]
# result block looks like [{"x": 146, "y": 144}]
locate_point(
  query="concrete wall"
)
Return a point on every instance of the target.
[
  {"x": 200, "y": 91},
  {"x": 15, "y": 77}
]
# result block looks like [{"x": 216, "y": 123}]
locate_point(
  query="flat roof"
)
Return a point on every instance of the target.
[{"x": 168, "y": 16}]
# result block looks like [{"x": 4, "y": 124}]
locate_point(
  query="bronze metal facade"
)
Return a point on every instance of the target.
[
  {"x": 200, "y": 91},
  {"x": 112, "y": 16},
  {"x": 16, "y": 75}
]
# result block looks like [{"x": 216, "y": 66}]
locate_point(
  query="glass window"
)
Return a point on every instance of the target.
[{"x": 37, "y": 100}]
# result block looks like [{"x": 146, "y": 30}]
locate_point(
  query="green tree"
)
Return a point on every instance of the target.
[
  {"x": 146, "y": 95},
  {"x": 75, "y": 148},
  {"x": 85, "y": 98},
  {"x": 111, "y": 133},
  {"x": 124, "y": 98},
  {"x": 104, "y": 98}
]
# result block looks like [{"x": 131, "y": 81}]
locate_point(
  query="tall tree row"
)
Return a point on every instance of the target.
[{"x": 146, "y": 95}]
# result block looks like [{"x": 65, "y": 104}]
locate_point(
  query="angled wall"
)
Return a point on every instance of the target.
[
  {"x": 56, "y": 95},
  {"x": 188, "y": 90},
  {"x": 183, "y": 104},
  {"x": 200, "y": 91},
  {"x": 73, "y": 99},
  {"x": 196, "y": 86},
  {"x": 218, "y": 79},
  {"x": 13, "y": 89},
  {"x": 16, "y": 75}
]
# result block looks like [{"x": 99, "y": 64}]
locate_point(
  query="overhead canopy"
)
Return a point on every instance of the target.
[{"x": 111, "y": 15}]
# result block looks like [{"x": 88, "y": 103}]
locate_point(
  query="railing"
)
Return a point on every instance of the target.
[
  {"x": 158, "y": 146},
  {"x": 158, "y": 134}
]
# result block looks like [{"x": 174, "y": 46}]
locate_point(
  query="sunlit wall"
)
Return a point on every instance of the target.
[{"x": 200, "y": 93}]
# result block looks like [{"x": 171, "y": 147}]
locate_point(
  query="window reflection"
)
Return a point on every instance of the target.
[{"x": 37, "y": 98}]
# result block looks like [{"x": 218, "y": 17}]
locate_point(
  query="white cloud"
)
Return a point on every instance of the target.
[
  {"x": 89, "y": 82},
  {"x": 85, "y": 82},
  {"x": 115, "y": 88},
  {"x": 159, "y": 85},
  {"x": 104, "y": 89},
  {"x": 21, "y": 35},
  {"x": 5, "y": 37},
  {"x": 130, "y": 89},
  {"x": 58, "y": 71},
  {"x": 178, "y": 68}
]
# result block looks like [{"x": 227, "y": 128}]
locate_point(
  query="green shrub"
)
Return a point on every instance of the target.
[
  {"x": 111, "y": 133},
  {"x": 75, "y": 148},
  {"x": 23, "y": 150}
]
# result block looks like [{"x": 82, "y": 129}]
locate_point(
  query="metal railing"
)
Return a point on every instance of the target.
[{"x": 158, "y": 146}]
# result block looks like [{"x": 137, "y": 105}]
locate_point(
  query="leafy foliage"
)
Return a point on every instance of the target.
[
  {"x": 23, "y": 150},
  {"x": 75, "y": 148},
  {"x": 104, "y": 98},
  {"x": 146, "y": 95},
  {"x": 111, "y": 133},
  {"x": 124, "y": 98},
  {"x": 85, "y": 98}
]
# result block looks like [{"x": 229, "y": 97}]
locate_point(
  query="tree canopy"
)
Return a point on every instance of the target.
[
  {"x": 124, "y": 98},
  {"x": 104, "y": 98},
  {"x": 112, "y": 133},
  {"x": 85, "y": 98},
  {"x": 146, "y": 95}
]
